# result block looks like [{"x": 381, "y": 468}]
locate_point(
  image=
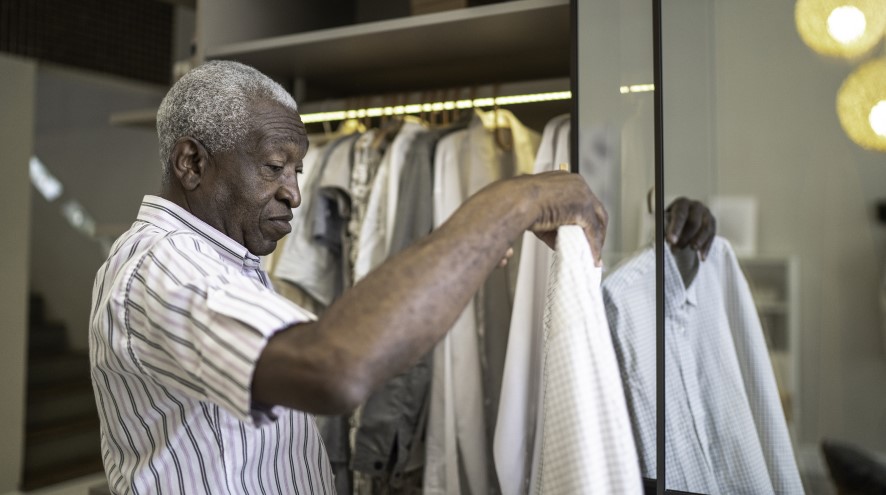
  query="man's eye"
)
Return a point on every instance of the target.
[{"x": 274, "y": 168}]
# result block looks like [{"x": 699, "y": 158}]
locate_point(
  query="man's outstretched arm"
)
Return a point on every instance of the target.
[{"x": 398, "y": 312}]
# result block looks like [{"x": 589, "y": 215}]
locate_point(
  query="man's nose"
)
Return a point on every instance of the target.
[{"x": 288, "y": 191}]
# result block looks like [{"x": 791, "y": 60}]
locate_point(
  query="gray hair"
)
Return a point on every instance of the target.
[{"x": 210, "y": 103}]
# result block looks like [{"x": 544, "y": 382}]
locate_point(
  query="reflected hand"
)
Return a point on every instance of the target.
[{"x": 690, "y": 223}]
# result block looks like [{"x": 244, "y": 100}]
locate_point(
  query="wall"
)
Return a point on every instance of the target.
[
  {"x": 17, "y": 80},
  {"x": 688, "y": 73},
  {"x": 778, "y": 136},
  {"x": 107, "y": 169}
]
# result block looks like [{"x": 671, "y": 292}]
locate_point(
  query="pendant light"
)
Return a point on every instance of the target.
[
  {"x": 861, "y": 105},
  {"x": 847, "y": 29}
]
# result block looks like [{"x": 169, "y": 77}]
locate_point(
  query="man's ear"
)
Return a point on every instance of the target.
[{"x": 189, "y": 162}]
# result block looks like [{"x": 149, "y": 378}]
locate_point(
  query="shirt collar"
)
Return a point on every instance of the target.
[
  {"x": 676, "y": 294},
  {"x": 170, "y": 216}
]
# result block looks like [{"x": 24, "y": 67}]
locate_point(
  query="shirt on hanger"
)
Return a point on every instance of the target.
[
  {"x": 381, "y": 207},
  {"x": 441, "y": 461},
  {"x": 414, "y": 216},
  {"x": 586, "y": 440},
  {"x": 368, "y": 153},
  {"x": 725, "y": 428},
  {"x": 516, "y": 424},
  {"x": 464, "y": 380},
  {"x": 388, "y": 419}
]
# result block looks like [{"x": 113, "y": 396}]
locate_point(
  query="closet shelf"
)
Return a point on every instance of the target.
[
  {"x": 503, "y": 42},
  {"x": 146, "y": 118}
]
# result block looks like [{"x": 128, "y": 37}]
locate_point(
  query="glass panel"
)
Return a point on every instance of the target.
[
  {"x": 616, "y": 150},
  {"x": 775, "y": 347}
]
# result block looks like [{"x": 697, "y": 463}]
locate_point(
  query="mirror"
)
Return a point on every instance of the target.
[
  {"x": 775, "y": 358},
  {"x": 617, "y": 156}
]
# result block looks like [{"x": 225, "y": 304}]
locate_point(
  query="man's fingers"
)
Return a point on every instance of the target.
[
  {"x": 692, "y": 227},
  {"x": 707, "y": 240},
  {"x": 690, "y": 223},
  {"x": 679, "y": 212},
  {"x": 508, "y": 255}
]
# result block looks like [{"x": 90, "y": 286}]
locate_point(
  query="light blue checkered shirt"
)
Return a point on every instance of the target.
[{"x": 725, "y": 429}]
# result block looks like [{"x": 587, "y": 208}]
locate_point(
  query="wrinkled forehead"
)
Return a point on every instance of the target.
[{"x": 273, "y": 124}]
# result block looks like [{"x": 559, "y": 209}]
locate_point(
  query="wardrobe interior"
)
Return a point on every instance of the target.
[{"x": 748, "y": 126}]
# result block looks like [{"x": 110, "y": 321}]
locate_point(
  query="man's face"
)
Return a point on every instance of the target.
[{"x": 254, "y": 187}]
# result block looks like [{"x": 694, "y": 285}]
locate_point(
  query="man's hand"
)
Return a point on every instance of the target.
[
  {"x": 690, "y": 223},
  {"x": 564, "y": 198}
]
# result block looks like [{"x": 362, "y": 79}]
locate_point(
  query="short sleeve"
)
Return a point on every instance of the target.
[{"x": 197, "y": 325}]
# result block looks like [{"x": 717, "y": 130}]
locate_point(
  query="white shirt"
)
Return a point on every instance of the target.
[
  {"x": 180, "y": 315},
  {"x": 381, "y": 208},
  {"x": 457, "y": 459},
  {"x": 453, "y": 434},
  {"x": 514, "y": 447},
  {"x": 725, "y": 429},
  {"x": 587, "y": 445}
]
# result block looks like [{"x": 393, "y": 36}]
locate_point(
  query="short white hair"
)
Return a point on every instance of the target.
[{"x": 210, "y": 104}]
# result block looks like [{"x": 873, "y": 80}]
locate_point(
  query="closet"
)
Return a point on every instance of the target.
[
  {"x": 348, "y": 55},
  {"x": 331, "y": 62}
]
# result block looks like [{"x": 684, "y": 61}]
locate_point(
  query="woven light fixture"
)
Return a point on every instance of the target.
[
  {"x": 861, "y": 105},
  {"x": 846, "y": 29}
]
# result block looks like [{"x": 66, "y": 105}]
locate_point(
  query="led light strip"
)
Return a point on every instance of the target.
[
  {"x": 438, "y": 106},
  {"x": 637, "y": 88}
]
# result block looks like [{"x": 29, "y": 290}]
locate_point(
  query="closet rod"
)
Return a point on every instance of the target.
[{"x": 436, "y": 106}]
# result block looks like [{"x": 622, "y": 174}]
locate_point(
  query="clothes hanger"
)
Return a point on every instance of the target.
[
  {"x": 391, "y": 127},
  {"x": 445, "y": 113},
  {"x": 434, "y": 120},
  {"x": 499, "y": 140},
  {"x": 368, "y": 120},
  {"x": 423, "y": 115}
]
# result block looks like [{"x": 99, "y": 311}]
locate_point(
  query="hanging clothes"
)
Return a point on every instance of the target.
[
  {"x": 368, "y": 153},
  {"x": 381, "y": 205},
  {"x": 387, "y": 422},
  {"x": 516, "y": 424},
  {"x": 306, "y": 260},
  {"x": 458, "y": 455},
  {"x": 414, "y": 216},
  {"x": 332, "y": 217},
  {"x": 586, "y": 440},
  {"x": 725, "y": 430},
  {"x": 442, "y": 476}
]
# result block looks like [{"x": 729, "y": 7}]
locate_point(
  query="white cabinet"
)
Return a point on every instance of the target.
[
  {"x": 774, "y": 284},
  {"x": 518, "y": 40}
]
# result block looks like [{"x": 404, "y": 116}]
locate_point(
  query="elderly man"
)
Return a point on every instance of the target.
[{"x": 204, "y": 377}]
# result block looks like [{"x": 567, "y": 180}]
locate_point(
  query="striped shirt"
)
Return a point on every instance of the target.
[{"x": 180, "y": 315}]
